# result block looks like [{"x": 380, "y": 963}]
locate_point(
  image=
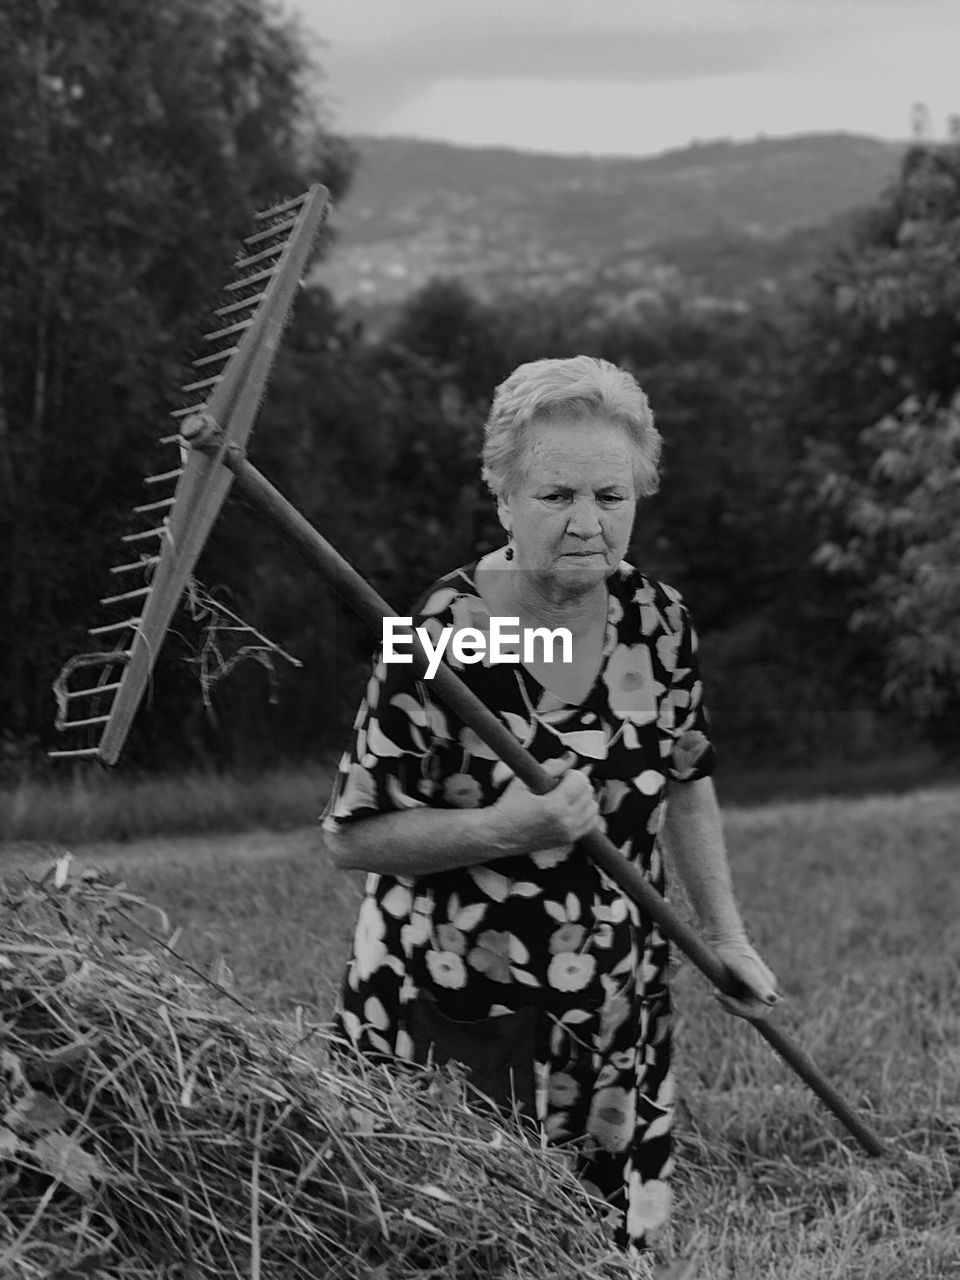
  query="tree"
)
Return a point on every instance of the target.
[
  {"x": 884, "y": 462},
  {"x": 462, "y": 337},
  {"x": 135, "y": 142},
  {"x": 903, "y": 537},
  {"x": 885, "y": 323}
]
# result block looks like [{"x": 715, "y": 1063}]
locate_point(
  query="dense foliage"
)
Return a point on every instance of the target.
[
  {"x": 135, "y": 142},
  {"x": 885, "y": 453},
  {"x": 809, "y": 500}
]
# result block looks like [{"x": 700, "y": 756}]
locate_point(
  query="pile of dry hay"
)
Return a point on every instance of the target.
[{"x": 149, "y": 1128}]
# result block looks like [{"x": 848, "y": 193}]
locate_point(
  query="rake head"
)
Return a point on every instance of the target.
[{"x": 98, "y": 693}]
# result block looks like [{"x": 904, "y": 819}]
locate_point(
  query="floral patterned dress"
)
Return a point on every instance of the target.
[{"x": 548, "y": 929}]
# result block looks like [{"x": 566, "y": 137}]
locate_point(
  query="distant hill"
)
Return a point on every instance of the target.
[{"x": 499, "y": 218}]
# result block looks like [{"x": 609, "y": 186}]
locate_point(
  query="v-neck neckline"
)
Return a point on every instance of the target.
[{"x": 557, "y": 703}]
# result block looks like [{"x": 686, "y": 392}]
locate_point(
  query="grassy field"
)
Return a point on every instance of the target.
[
  {"x": 91, "y": 803},
  {"x": 87, "y": 802},
  {"x": 856, "y": 905}
]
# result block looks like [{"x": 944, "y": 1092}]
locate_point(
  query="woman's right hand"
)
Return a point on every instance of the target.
[{"x": 526, "y": 823}]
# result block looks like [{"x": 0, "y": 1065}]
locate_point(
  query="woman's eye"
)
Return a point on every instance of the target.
[{"x": 564, "y": 498}]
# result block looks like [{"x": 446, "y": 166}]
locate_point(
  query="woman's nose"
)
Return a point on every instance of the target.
[{"x": 585, "y": 519}]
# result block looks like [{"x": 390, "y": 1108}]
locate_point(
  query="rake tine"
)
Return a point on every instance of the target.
[
  {"x": 278, "y": 209},
  {"x": 224, "y": 333},
  {"x": 145, "y": 533},
  {"x": 145, "y": 563},
  {"x": 137, "y": 594},
  {"x": 239, "y": 306},
  {"x": 204, "y": 382},
  {"x": 159, "y": 505},
  {"x": 89, "y": 693},
  {"x": 249, "y": 280},
  {"x": 112, "y": 626},
  {"x": 225, "y": 354},
  {"x": 262, "y": 256},
  {"x": 260, "y": 236}
]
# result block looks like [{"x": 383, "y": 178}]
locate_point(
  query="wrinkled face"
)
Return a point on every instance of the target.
[{"x": 571, "y": 515}]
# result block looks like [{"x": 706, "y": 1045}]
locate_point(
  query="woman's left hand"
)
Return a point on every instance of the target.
[{"x": 743, "y": 963}]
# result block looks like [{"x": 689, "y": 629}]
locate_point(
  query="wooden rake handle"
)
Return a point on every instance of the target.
[{"x": 361, "y": 598}]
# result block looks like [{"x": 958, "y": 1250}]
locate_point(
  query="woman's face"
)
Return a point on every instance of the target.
[{"x": 572, "y": 513}]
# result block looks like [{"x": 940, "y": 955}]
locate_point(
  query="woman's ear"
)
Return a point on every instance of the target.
[{"x": 504, "y": 514}]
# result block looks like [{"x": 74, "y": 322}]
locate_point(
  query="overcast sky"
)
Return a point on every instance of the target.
[{"x": 634, "y": 76}]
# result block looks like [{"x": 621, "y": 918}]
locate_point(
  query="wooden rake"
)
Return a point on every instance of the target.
[
  {"x": 216, "y": 431},
  {"x": 237, "y": 353}
]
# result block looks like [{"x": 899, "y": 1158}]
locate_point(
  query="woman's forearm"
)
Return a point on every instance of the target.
[
  {"x": 418, "y": 842},
  {"x": 693, "y": 837},
  {"x": 423, "y": 841}
]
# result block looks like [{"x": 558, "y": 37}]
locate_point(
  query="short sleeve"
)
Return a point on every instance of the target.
[
  {"x": 387, "y": 764},
  {"x": 689, "y": 750}
]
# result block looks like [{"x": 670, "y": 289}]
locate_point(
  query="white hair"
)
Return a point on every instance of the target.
[{"x": 555, "y": 390}]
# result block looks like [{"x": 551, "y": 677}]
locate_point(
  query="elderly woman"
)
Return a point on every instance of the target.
[{"x": 486, "y": 934}]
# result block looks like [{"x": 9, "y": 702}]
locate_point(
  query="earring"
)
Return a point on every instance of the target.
[{"x": 508, "y": 551}]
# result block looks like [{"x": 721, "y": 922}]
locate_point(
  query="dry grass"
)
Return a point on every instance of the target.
[
  {"x": 149, "y": 1129},
  {"x": 856, "y": 906},
  {"x": 278, "y": 914}
]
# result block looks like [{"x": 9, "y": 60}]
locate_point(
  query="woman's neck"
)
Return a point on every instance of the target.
[
  {"x": 511, "y": 592},
  {"x": 578, "y": 611}
]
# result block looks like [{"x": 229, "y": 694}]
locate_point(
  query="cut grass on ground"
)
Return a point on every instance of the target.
[{"x": 856, "y": 906}]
